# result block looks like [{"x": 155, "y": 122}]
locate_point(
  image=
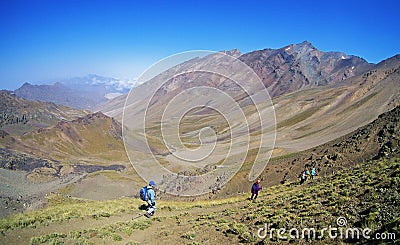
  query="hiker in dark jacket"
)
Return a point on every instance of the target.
[
  {"x": 255, "y": 188},
  {"x": 303, "y": 177}
]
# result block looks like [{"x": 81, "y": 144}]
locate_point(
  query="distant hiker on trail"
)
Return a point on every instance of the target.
[
  {"x": 147, "y": 194},
  {"x": 303, "y": 177},
  {"x": 313, "y": 173},
  {"x": 255, "y": 188},
  {"x": 308, "y": 172}
]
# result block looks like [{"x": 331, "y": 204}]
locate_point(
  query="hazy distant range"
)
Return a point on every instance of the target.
[{"x": 87, "y": 92}]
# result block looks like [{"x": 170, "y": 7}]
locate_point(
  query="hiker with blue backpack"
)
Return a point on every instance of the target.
[
  {"x": 148, "y": 195},
  {"x": 255, "y": 188},
  {"x": 313, "y": 173}
]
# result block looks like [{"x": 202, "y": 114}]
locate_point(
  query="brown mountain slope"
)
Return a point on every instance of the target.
[
  {"x": 92, "y": 138},
  {"x": 19, "y": 116},
  {"x": 304, "y": 119},
  {"x": 311, "y": 117},
  {"x": 377, "y": 139}
]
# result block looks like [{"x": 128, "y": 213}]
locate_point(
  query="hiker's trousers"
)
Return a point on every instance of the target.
[{"x": 151, "y": 207}]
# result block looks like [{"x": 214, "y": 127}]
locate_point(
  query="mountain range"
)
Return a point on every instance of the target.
[
  {"x": 86, "y": 92},
  {"x": 284, "y": 70},
  {"x": 300, "y": 66},
  {"x": 288, "y": 69},
  {"x": 307, "y": 113}
]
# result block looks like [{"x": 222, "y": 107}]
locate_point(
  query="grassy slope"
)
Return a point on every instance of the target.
[{"x": 367, "y": 195}]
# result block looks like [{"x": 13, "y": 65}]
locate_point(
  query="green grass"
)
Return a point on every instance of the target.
[
  {"x": 283, "y": 157},
  {"x": 358, "y": 103},
  {"x": 299, "y": 117},
  {"x": 111, "y": 175},
  {"x": 113, "y": 233},
  {"x": 63, "y": 209}
]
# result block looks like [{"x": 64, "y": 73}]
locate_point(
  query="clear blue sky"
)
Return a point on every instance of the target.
[{"x": 46, "y": 40}]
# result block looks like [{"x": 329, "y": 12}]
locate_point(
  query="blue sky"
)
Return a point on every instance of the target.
[{"x": 47, "y": 40}]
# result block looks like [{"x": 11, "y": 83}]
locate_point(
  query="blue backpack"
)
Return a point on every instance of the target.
[{"x": 143, "y": 193}]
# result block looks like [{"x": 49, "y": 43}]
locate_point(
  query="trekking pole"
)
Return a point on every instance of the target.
[{"x": 138, "y": 216}]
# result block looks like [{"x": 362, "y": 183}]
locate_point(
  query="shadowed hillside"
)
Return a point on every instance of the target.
[{"x": 20, "y": 116}]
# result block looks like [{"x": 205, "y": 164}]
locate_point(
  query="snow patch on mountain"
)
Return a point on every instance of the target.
[{"x": 111, "y": 96}]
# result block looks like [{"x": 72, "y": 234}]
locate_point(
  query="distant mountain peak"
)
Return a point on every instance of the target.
[
  {"x": 26, "y": 84},
  {"x": 303, "y": 47},
  {"x": 233, "y": 52},
  {"x": 306, "y": 44},
  {"x": 59, "y": 84}
]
